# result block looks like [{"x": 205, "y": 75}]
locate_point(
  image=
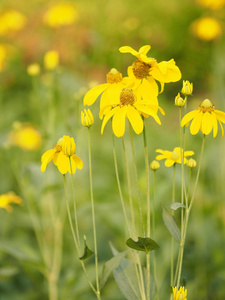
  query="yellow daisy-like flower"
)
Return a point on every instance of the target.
[
  {"x": 11, "y": 21},
  {"x": 25, "y": 136},
  {"x": 124, "y": 104},
  {"x": 63, "y": 156},
  {"x": 180, "y": 294},
  {"x": 204, "y": 119},
  {"x": 206, "y": 28},
  {"x": 212, "y": 4},
  {"x": 61, "y": 14},
  {"x": 173, "y": 157},
  {"x": 7, "y": 199},
  {"x": 2, "y": 56},
  {"x": 147, "y": 69}
]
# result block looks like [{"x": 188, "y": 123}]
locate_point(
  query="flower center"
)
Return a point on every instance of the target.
[
  {"x": 58, "y": 148},
  {"x": 127, "y": 97},
  {"x": 174, "y": 156},
  {"x": 114, "y": 76},
  {"x": 206, "y": 106},
  {"x": 140, "y": 69}
]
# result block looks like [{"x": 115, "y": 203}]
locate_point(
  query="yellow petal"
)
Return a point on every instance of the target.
[
  {"x": 169, "y": 162},
  {"x": 196, "y": 123},
  {"x": 187, "y": 118},
  {"x": 160, "y": 157},
  {"x": 127, "y": 49},
  {"x": 108, "y": 116},
  {"x": 144, "y": 49},
  {"x": 111, "y": 96},
  {"x": 93, "y": 94},
  {"x": 46, "y": 158},
  {"x": 166, "y": 71},
  {"x": 78, "y": 161},
  {"x": 150, "y": 110},
  {"x": 220, "y": 115},
  {"x": 118, "y": 123},
  {"x": 63, "y": 163},
  {"x": 188, "y": 153},
  {"x": 215, "y": 125},
  {"x": 221, "y": 128},
  {"x": 207, "y": 123},
  {"x": 149, "y": 91},
  {"x": 135, "y": 119}
]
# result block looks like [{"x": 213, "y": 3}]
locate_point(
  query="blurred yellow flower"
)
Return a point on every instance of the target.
[
  {"x": 172, "y": 157},
  {"x": 187, "y": 88},
  {"x": 191, "y": 163},
  {"x": 25, "y": 136},
  {"x": 33, "y": 69},
  {"x": 180, "y": 294},
  {"x": 10, "y": 21},
  {"x": 87, "y": 118},
  {"x": 206, "y": 28},
  {"x": 212, "y": 4},
  {"x": 204, "y": 119},
  {"x": 7, "y": 199},
  {"x": 61, "y": 14},
  {"x": 63, "y": 156},
  {"x": 2, "y": 56},
  {"x": 51, "y": 60}
]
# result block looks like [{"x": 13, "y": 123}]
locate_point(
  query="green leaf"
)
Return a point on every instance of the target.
[
  {"x": 143, "y": 244},
  {"x": 109, "y": 266},
  {"x": 176, "y": 205},
  {"x": 170, "y": 223},
  {"x": 87, "y": 251}
]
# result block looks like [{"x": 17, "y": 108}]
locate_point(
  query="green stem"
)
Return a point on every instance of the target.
[{"x": 172, "y": 240}]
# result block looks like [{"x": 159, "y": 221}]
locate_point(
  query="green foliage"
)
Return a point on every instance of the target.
[
  {"x": 143, "y": 244},
  {"x": 170, "y": 223}
]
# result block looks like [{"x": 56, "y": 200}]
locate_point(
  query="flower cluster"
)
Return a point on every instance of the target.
[{"x": 136, "y": 96}]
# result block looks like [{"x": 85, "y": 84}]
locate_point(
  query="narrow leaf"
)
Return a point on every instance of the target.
[
  {"x": 176, "y": 205},
  {"x": 143, "y": 244},
  {"x": 87, "y": 251},
  {"x": 171, "y": 224}
]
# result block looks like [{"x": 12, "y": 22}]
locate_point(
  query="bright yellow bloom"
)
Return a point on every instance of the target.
[
  {"x": 7, "y": 199},
  {"x": 181, "y": 294},
  {"x": 173, "y": 157},
  {"x": 61, "y": 14},
  {"x": 212, "y": 4},
  {"x": 154, "y": 165},
  {"x": 63, "y": 156},
  {"x": 2, "y": 56},
  {"x": 187, "y": 88},
  {"x": 191, "y": 163},
  {"x": 206, "y": 28},
  {"x": 33, "y": 69},
  {"x": 10, "y": 21},
  {"x": 179, "y": 101},
  {"x": 87, "y": 118},
  {"x": 147, "y": 69},
  {"x": 51, "y": 59},
  {"x": 25, "y": 136},
  {"x": 204, "y": 119},
  {"x": 124, "y": 105}
]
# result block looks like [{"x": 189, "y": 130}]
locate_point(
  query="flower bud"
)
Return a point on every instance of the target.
[
  {"x": 51, "y": 60},
  {"x": 33, "y": 69},
  {"x": 187, "y": 88},
  {"x": 179, "y": 101},
  {"x": 191, "y": 163},
  {"x": 68, "y": 146},
  {"x": 87, "y": 118},
  {"x": 154, "y": 165}
]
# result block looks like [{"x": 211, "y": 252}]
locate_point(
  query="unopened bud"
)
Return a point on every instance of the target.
[
  {"x": 87, "y": 118},
  {"x": 154, "y": 165},
  {"x": 191, "y": 163},
  {"x": 187, "y": 88},
  {"x": 179, "y": 101}
]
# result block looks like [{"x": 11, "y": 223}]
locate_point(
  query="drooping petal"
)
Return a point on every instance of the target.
[
  {"x": 207, "y": 123},
  {"x": 108, "y": 116},
  {"x": 111, "y": 96},
  {"x": 196, "y": 123},
  {"x": 221, "y": 128},
  {"x": 215, "y": 125},
  {"x": 118, "y": 122},
  {"x": 93, "y": 94},
  {"x": 169, "y": 162},
  {"x": 135, "y": 119},
  {"x": 149, "y": 110},
  {"x": 128, "y": 49},
  {"x": 63, "y": 163},
  {"x": 220, "y": 115},
  {"x": 187, "y": 118},
  {"x": 72, "y": 165},
  {"x": 188, "y": 153},
  {"x": 78, "y": 161},
  {"x": 166, "y": 71},
  {"x": 46, "y": 158},
  {"x": 144, "y": 49},
  {"x": 160, "y": 157},
  {"x": 149, "y": 91},
  {"x": 159, "y": 151}
]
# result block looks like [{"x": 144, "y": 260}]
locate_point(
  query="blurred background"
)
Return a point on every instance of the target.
[{"x": 40, "y": 101}]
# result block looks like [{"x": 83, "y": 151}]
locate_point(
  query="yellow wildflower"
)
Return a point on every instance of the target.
[
  {"x": 180, "y": 294},
  {"x": 173, "y": 157},
  {"x": 206, "y": 28},
  {"x": 7, "y": 199},
  {"x": 187, "y": 88},
  {"x": 33, "y": 69},
  {"x": 51, "y": 59},
  {"x": 124, "y": 105},
  {"x": 179, "y": 101},
  {"x": 191, "y": 163},
  {"x": 63, "y": 156},
  {"x": 10, "y": 21},
  {"x": 2, "y": 56},
  {"x": 61, "y": 14},
  {"x": 204, "y": 119},
  {"x": 25, "y": 136},
  {"x": 87, "y": 118},
  {"x": 154, "y": 165},
  {"x": 212, "y": 4}
]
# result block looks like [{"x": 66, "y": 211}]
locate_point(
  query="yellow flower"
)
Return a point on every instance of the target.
[
  {"x": 212, "y": 4},
  {"x": 179, "y": 101},
  {"x": 206, "y": 28},
  {"x": 51, "y": 59},
  {"x": 87, "y": 118},
  {"x": 173, "y": 157},
  {"x": 2, "y": 56},
  {"x": 63, "y": 156},
  {"x": 187, "y": 88},
  {"x": 147, "y": 69},
  {"x": 181, "y": 294},
  {"x": 25, "y": 136},
  {"x": 154, "y": 165},
  {"x": 191, "y": 163},
  {"x": 7, "y": 199},
  {"x": 33, "y": 69},
  {"x": 204, "y": 119},
  {"x": 61, "y": 14},
  {"x": 10, "y": 21},
  {"x": 124, "y": 105}
]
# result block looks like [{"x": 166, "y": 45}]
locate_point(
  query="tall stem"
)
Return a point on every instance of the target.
[{"x": 172, "y": 239}]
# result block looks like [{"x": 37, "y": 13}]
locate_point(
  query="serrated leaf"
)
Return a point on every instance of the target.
[
  {"x": 176, "y": 205},
  {"x": 143, "y": 244},
  {"x": 170, "y": 223},
  {"x": 109, "y": 266},
  {"x": 87, "y": 251}
]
